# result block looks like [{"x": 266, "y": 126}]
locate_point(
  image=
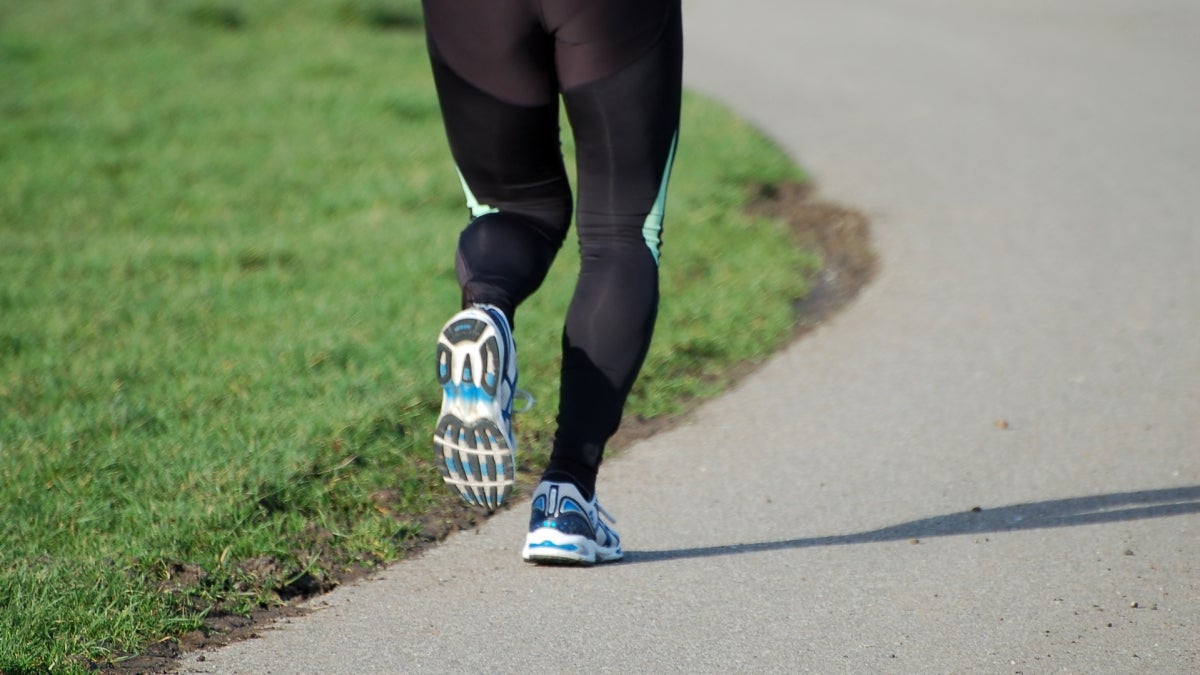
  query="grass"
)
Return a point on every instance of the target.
[{"x": 226, "y": 239}]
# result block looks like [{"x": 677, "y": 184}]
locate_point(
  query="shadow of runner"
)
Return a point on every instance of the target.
[{"x": 1076, "y": 511}]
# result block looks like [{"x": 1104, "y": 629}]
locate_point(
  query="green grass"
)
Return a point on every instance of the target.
[{"x": 226, "y": 239}]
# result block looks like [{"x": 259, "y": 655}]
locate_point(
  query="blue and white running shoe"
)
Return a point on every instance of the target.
[
  {"x": 566, "y": 529},
  {"x": 473, "y": 441}
]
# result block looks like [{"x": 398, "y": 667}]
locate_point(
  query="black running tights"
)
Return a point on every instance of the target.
[{"x": 500, "y": 67}]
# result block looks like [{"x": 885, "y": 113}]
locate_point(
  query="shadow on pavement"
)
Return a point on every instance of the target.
[{"x": 1072, "y": 512}]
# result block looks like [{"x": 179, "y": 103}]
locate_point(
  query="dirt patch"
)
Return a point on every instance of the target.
[
  {"x": 220, "y": 629},
  {"x": 840, "y": 234}
]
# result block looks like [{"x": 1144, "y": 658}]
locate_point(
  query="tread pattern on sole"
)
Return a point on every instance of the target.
[{"x": 473, "y": 454}]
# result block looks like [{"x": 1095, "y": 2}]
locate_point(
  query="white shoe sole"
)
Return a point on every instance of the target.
[
  {"x": 473, "y": 443},
  {"x": 551, "y": 547}
]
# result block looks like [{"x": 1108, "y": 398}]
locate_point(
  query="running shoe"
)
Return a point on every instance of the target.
[
  {"x": 566, "y": 529},
  {"x": 473, "y": 442}
]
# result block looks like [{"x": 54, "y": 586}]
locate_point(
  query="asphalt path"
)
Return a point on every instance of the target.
[{"x": 1032, "y": 173}]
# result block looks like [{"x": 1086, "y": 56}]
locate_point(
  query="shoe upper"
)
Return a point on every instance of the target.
[
  {"x": 507, "y": 370},
  {"x": 561, "y": 507}
]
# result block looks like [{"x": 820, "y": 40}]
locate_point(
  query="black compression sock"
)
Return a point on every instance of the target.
[{"x": 569, "y": 472}]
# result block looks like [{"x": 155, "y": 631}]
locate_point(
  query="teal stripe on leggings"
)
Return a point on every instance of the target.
[{"x": 652, "y": 229}]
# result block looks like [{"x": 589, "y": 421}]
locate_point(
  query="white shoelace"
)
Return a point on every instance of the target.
[
  {"x": 604, "y": 512},
  {"x": 522, "y": 395}
]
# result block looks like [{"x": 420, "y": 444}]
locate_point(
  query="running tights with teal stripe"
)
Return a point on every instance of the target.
[{"x": 500, "y": 67}]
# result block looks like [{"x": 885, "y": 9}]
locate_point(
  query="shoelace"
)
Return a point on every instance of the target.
[
  {"x": 604, "y": 512},
  {"x": 522, "y": 395}
]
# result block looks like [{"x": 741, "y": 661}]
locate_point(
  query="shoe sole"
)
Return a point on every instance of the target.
[
  {"x": 545, "y": 546},
  {"x": 473, "y": 454}
]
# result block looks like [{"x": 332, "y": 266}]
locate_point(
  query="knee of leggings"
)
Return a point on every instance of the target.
[{"x": 504, "y": 257}]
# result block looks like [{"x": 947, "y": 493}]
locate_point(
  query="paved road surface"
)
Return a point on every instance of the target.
[{"x": 1032, "y": 170}]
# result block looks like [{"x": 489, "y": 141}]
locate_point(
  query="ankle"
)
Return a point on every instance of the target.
[{"x": 586, "y": 487}]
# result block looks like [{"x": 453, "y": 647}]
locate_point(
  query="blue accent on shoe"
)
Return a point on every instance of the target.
[
  {"x": 560, "y": 547},
  {"x": 576, "y": 524}
]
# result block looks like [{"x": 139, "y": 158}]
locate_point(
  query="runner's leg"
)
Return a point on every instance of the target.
[
  {"x": 625, "y": 123},
  {"x": 494, "y": 75}
]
